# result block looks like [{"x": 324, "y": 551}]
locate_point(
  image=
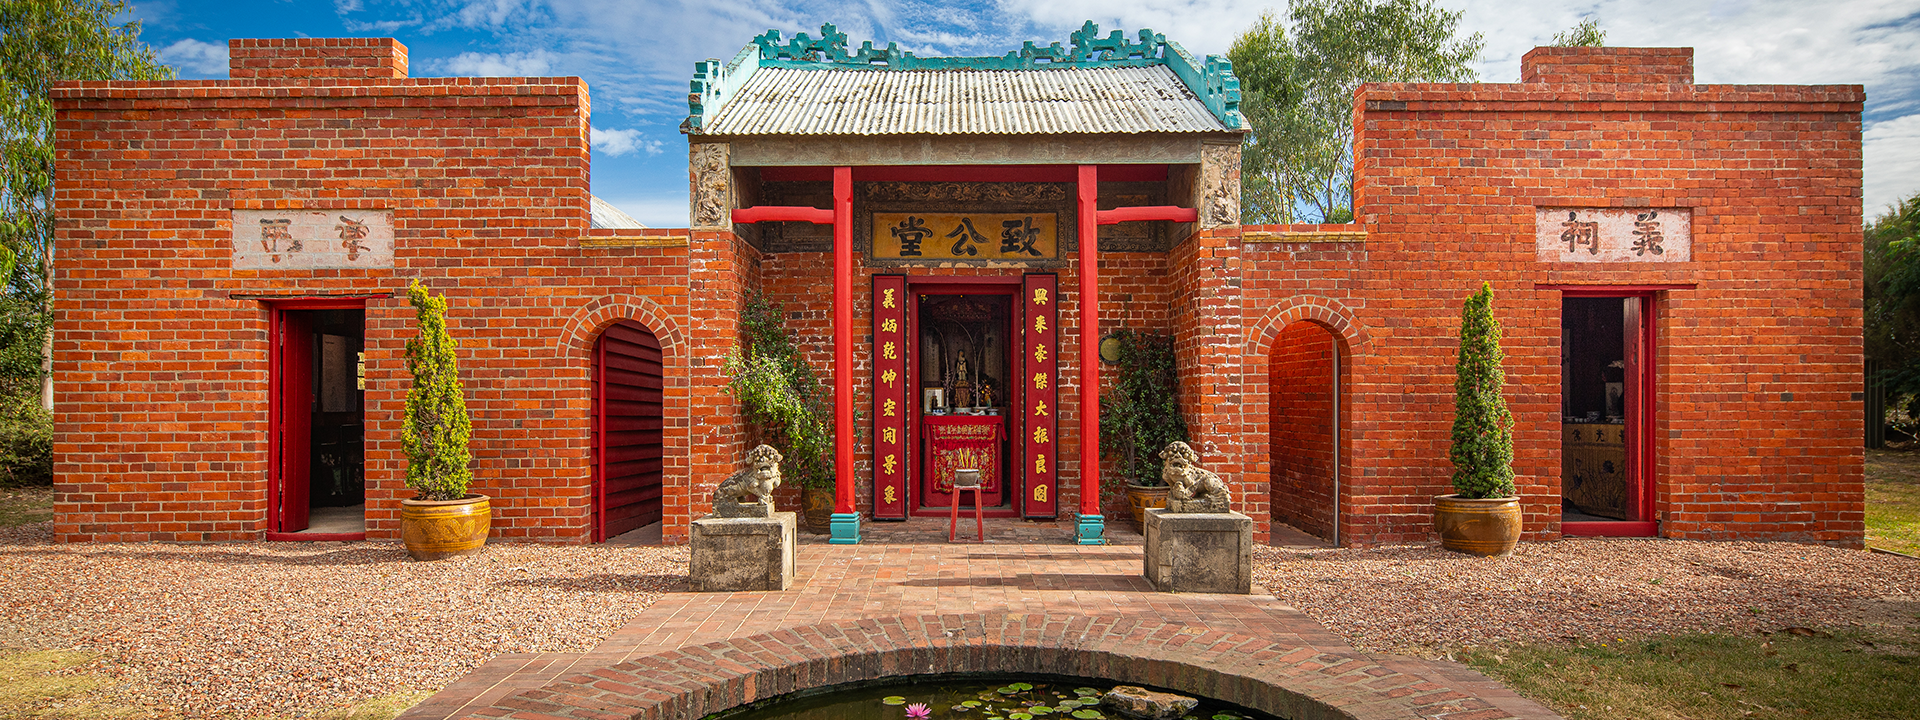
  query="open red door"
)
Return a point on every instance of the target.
[{"x": 292, "y": 370}]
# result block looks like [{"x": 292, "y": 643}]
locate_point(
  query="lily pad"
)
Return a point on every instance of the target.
[
  {"x": 1040, "y": 710},
  {"x": 1088, "y": 714},
  {"x": 1019, "y": 716},
  {"x": 970, "y": 703},
  {"x": 893, "y": 700},
  {"x": 1085, "y": 691}
]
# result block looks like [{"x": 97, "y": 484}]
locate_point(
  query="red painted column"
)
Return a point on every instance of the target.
[
  {"x": 1091, "y": 529},
  {"x": 846, "y": 522}
]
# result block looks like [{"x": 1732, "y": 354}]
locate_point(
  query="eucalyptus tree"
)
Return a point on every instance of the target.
[
  {"x": 1298, "y": 78},
  {"x": 43, "y": 41}
]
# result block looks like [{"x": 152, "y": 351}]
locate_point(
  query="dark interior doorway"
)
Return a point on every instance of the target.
[
  {"x": 628, "y": 424},
  {"x": 963, "y": 360},
  {"x": 1303, "y": 435},
  {"x": 318, "y": 378},
  {"x": 1606, "y": 405}
]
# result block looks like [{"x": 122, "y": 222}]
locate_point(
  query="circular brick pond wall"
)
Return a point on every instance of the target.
[{"x": 1285, "y": 681}]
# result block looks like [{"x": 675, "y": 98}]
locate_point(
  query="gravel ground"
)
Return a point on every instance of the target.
[
  {"x": 286, "y": 629},
  {"x": 1422, "y": 600}
]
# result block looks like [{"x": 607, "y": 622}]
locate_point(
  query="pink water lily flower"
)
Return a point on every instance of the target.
[{"x": 918, "y": 711}]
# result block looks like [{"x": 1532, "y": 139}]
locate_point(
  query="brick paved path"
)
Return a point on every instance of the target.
[{"x": 1027, "y": 577}]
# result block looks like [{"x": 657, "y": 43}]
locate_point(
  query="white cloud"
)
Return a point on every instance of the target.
[
  {"x": 493, "y": 13},
  {"x": 619, "y": 142},
  {"x": 1892, "y": 155},
  {"x": 527, "y": 64},
  {"x": 196, "y": 58}
]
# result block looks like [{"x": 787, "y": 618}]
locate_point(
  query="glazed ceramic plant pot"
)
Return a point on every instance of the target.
[
  {"x": 1486, "y": 527},
  {"x": 1141, "y": 497},
  {"x": 436, "y": 529},
  {"x": 816, "y": 507}
]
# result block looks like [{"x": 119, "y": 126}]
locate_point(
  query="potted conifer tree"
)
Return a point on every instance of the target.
[
  {"x": 443, "y": 520},
  {"x": 1482, "y": 517}
]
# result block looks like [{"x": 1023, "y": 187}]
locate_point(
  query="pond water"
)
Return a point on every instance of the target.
[{"x": 962, "y": 697}]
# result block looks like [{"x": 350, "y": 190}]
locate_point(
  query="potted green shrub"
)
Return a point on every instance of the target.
[
  {"x": 1140, "y": 415},
  {"x": 782, "y": 396},
  {"x": 443, "y": 519},
  {"x": 1482, "y": 517}
]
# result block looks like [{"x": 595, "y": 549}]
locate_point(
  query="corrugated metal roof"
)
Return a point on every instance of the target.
[
  {"x": 605, "y": 216},
  {"x": 789, "y": 101}
]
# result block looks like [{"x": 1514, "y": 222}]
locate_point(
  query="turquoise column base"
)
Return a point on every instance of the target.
[
  {"x": 1091, "y": 530},
  {"x": 846, "y": 529}
]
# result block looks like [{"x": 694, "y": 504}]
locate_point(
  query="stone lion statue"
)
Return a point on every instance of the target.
[
  {"x": 749, "y": 493},
  {"x": 1191, "y": 488}
]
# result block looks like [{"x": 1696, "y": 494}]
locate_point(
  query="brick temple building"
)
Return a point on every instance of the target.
[{"x": 1677, "y": 268}]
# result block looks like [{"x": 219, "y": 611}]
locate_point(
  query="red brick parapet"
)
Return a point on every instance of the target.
[
  {"x": 1614, "y": 65},
  {"x": 300, "y": 58},
  {"x": 1291, "y": 681}
]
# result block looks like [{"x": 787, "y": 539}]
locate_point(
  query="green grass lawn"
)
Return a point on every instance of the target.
[
  {"x": 25, "y": 506},
  {"x": 1893, "y": 500},
  {"x": 1856, "y": 674},
  {"x": 1868, "y": 672}
]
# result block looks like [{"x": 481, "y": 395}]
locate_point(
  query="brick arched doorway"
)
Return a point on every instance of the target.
[
  {"x": 628, "y": 420},
  {"x": 1304, "y": 437}
]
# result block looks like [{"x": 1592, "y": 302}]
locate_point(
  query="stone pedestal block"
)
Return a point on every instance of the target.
[
  {"x": 1199, "y": 552},
  {"x": 743, "y": 553}
]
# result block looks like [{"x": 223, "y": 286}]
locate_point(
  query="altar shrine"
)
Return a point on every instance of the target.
[{"x": 1676, "y": 266}]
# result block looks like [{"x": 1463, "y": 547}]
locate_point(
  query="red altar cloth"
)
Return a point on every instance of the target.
[{"x": 958, "y": 442}]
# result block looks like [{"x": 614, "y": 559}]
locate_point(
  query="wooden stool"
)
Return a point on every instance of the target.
[{"x": 965, "y": 481}]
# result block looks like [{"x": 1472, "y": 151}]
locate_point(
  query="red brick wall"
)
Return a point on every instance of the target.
[
  {"x": 160, "y": 347},
  {"x": 1757, "y": 428},
  {"x": 721, "y": 269},
  {"x": 1292, "y": 275},
  {"x": 1300, "y": 387},
  {"x": 1205, "y": 271}
]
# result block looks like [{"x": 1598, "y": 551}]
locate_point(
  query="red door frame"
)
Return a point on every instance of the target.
[
  {"x": 1013, "y": 482},
  {"x": 598, "y": 422},
  {"x": 276, "y": 376},
  {"x": 1642, "y": 411}
]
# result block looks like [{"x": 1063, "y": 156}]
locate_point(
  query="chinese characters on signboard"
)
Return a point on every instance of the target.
[
  {"x": 1610, "y": 235},
  {"x": 965, "y": 236},
  {"x": 1039, "y": 427},
  {"x": 312, "y": 239},
  {"x": 892, "y": 391}
]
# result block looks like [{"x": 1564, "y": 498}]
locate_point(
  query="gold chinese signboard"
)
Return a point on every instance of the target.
[{"x": 965, "y": 236}]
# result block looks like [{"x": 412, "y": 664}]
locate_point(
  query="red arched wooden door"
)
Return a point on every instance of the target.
[{"x": 627, "y": 422}]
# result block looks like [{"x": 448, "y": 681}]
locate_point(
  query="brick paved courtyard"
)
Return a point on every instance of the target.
[{"x": 906, "y": 602}]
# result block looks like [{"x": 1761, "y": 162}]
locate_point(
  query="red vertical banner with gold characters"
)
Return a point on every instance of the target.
[
  {"x": 890, "y": 397},
  {"x": 1039, "y": 425}
]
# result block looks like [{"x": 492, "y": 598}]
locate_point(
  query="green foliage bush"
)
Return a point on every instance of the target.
[
  {"x": 26, "y": 428},
  {"x": 26, "y": 442},
  {"x": 436, "y": 428},
  {"x": 1891, "y": 294},
  {"x": 1140, "y": 414},
  {"x": 781, "y": 394},
  {"x": 1482, "y": 451}
]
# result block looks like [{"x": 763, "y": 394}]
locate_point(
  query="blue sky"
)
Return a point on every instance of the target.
[{"x": 638, "y": 56}]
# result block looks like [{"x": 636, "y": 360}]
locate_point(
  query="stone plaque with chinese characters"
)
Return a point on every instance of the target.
[
  {"x": 1613, "y": 235},
  {"x": 965, "y": 236},
  {"x": 312, "y": 239}
]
